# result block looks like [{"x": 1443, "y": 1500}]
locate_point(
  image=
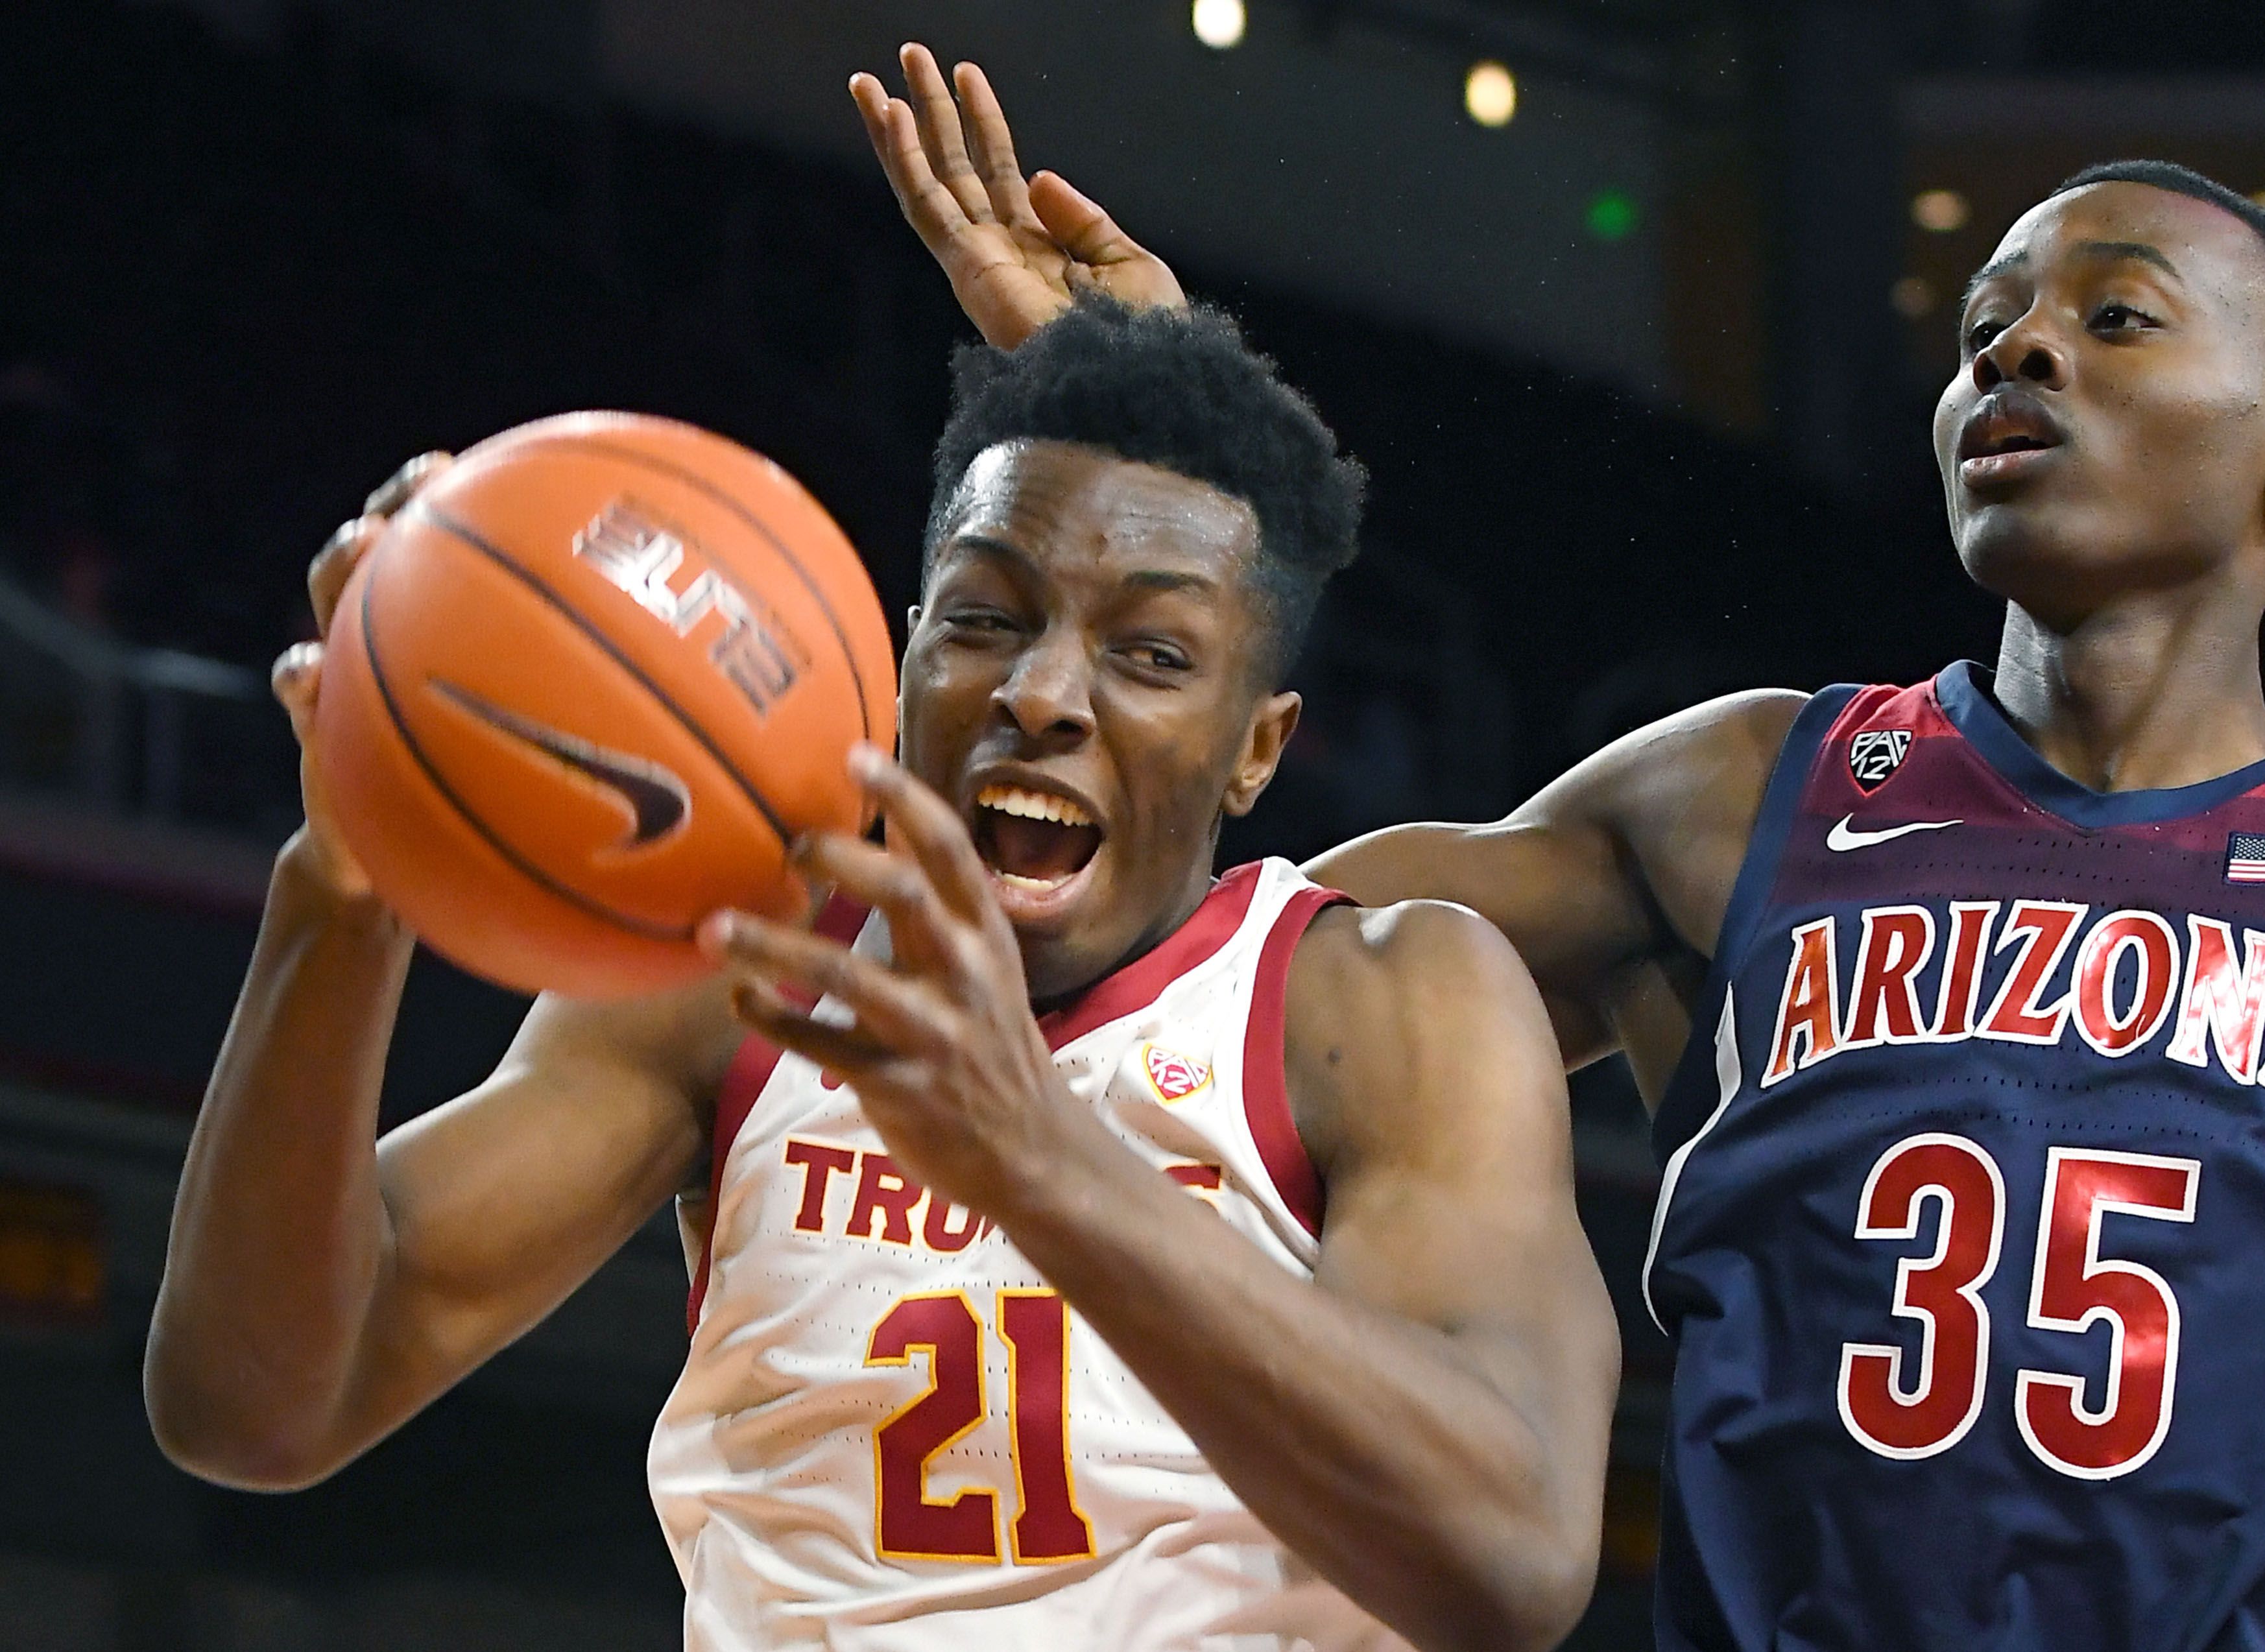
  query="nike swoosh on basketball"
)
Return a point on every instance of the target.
[
  {"x": 658, "y": 800},
  {"x": 1844, "y": 837}
]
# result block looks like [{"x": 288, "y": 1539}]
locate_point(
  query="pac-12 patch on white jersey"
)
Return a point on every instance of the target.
[{"x": 891, "y": 1436}]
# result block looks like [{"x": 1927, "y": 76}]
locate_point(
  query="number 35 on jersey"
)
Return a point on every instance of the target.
[{"x": 1918, "y": 1408}]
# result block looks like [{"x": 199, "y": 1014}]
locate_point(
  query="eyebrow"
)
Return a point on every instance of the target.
[
  {"x": 991, "y": 547},
  {"x": 2114, "y": 252},
  {"x": 1991, "y": 272},
  {"x": 1141, "y": 578},
  {"x": 1166, "y": 579},
  {"x": 2098, "y": 251}
]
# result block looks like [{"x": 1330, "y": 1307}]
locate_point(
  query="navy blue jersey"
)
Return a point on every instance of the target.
[{"x": 1962, "y": 1236}]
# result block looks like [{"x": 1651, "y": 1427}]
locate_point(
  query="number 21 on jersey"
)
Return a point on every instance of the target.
[
  {"x": 908, "y": 1523},
  {"x": 1929, "y": 1408}
]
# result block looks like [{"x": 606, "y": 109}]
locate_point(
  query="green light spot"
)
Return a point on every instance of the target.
[{"x": 1611, "y": 215}]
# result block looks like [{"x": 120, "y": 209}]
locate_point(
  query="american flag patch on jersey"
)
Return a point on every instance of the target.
[{"x": 2245, "y": 858}]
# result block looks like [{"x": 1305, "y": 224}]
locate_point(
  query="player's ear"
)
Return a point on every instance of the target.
[
  {"x": 1272, "y": 721},
  {"x": 912, "y": 619}
]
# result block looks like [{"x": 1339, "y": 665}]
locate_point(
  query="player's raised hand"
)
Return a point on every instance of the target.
[
  {"x": 946, "y": 1058},
  {"x": 1017, "y": 251},
  {"x": 298, "y": 673}
]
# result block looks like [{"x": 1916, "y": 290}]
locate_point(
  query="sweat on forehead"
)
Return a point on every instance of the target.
[
  {"x": 2188, "y": 236},
  {"x": 1046, "y": 495}
]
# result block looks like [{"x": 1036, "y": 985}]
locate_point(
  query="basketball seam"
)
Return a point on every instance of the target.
[
  {"x": 534, "y": 582},
  {"x": 693, "y": 478},
  {"x": 532, "y": 872}
]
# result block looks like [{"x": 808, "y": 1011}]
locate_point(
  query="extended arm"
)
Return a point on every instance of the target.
[
  {"x": 1611, "y": 881},
  {"x": 1425, "y": 1421},
  {"x": 321, "y": 1286}
]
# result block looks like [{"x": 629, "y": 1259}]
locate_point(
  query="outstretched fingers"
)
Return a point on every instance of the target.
[
  {"x": 873, "y": 108},
  {"x": 923, "y": 933},
  {"x": 933, "y": 212},
  {"x": 895, "y": 1016},
  {"x": 843, "y": 1050},
  {"x": 925, "y": 824},
  {"x": 994, "y": 148},
  {"x": 937, "y": 113}
]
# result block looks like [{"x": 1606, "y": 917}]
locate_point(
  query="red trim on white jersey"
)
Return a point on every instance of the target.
[
  {"x": 750, "y": 1069},
  {"x": 1128, "y": 991},
  {"x": 1265, "y": 1091},
  {"x": 1210, "y": 927}
]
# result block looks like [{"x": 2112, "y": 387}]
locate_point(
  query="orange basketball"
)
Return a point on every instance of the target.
[{"x": 583, "y": 690}]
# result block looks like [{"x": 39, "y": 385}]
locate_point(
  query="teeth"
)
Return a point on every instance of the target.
[
  {"x": 1016, "y": 880},
  {"x": 1032, "y": 805}
]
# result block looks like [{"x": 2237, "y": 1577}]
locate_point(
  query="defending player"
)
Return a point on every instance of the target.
[
  {"x": 1240, "y": 1285},
  {"x": 1964, "y": 1180}
]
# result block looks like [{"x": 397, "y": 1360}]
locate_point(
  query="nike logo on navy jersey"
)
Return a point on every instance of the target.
[{"x": 1843, "y": 837}]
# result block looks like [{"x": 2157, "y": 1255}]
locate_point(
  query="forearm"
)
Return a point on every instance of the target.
[
  {"x": 1370, "y": 1445},
  {"x": 279, "y": 1231}
]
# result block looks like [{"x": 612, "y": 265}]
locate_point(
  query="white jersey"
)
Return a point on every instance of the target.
[{"x": 891, "y": 1436}]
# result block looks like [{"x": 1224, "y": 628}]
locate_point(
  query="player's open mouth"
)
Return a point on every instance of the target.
[
  {"x": 2006, "y": 437},
  {"x": 1035, "y": 843}
]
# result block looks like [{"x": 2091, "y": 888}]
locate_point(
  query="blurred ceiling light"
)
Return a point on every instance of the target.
[
  {"x": 1489, "y": 94},
  {"x": 1912, "y": 296},
  {"x": 1218, "y": 24},
  {"x": 1939, "y": 210}
]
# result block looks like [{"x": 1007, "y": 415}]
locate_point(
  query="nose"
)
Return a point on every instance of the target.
[
  {"x": 1048, "y": 696},
  {"x": 2026, "y": 351}
]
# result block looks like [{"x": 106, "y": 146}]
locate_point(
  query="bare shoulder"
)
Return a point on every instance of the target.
[
  {"x": 1385, "y": 1004},
  {"x": 1364, "y": 962},
  {"x": 1714, "y": 757},
  {"x": 1738, "y": 735},
  {"x": 1676, "y": 802}
]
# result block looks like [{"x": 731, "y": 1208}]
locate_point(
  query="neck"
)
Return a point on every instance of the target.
[
  {"x": 2155, "y": 691},
  {"x": 1177, "y": 912}
]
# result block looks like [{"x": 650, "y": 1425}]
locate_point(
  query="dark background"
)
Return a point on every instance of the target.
[{"x": 253, "y": 255}]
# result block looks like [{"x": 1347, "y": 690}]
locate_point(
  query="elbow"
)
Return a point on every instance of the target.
[
  {"x": 1552, "y": 1594},
  {"x": 219, "y": 1438},
  {"x": 242, "y": 1458},
  {"x": 1525, "y": 1592}
]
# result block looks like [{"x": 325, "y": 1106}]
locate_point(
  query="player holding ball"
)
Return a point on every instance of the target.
[{"x": 1115, "y": 1257}]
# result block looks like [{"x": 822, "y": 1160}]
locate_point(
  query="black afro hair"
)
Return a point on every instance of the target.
[
  {"x": 1180, "y": 389},
  {"x": 2182, "y": 180}
]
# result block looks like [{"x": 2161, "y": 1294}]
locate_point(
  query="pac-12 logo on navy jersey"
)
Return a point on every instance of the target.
[{"x": 1874, "y": 754}]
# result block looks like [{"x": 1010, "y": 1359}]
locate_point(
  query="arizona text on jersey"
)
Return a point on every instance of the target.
[{"x": 1963, "y": 1204}]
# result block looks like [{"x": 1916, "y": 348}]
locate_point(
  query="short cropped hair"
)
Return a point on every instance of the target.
[
  {"x": 1180, "y": 389},
  {"x": 2181, "y": 180}
]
